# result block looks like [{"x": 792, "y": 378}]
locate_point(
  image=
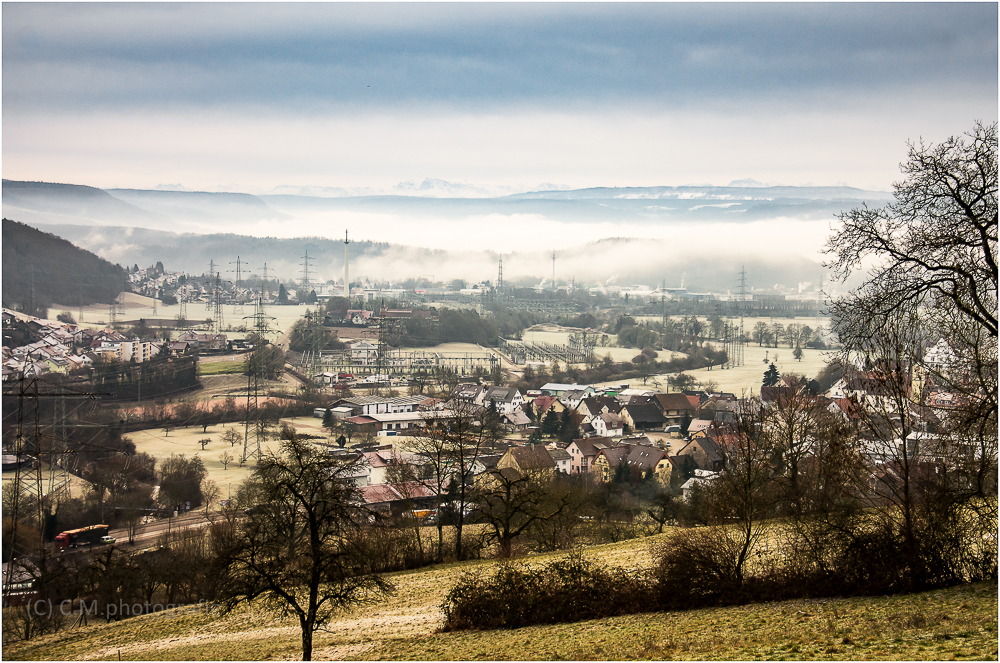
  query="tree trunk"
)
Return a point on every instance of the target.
[{"x": 307, "y": 639}]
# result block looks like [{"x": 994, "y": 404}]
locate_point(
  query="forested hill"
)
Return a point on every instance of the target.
[{"x": 40, "y": 268}]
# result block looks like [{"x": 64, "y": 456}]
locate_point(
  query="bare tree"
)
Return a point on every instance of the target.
[
  {"x": 510, "y": 502},
  {"x": 742, "y": 497},
  {"x": 135, "y": 507},
  {"x": 232, "y": 436},
  {"x": 225, "y": 459},
  {"x": 451, "y": 447},
  {"x": 935, "y": 279},
  {"x": 937, "y": 243},
  {"x": 210, "y": 493},
  {"x": 403, "y": 477},
  {"x": 292, "y": 552}
]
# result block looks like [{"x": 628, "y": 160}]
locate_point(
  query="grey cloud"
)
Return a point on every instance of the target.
[{"x": 330, "y": 57}]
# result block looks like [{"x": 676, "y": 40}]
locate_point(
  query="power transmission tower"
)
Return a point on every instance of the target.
[
  {"x": 347, "y": 272},
  {"x": 553, "y": 270},
  {"x": 741, "y": 334},
  {"x": 238, "y": 306},
  {"x": 254, "y": 431},
  {"x": 305, "y": 275},
  {"x": 59, "y": 476},
  {"x": 265, "y": 286},
  {"x": 387, "y": 330},
  {"x": 27, "y": 502},
  {"x": 217, "y": 325},
  {"x": 211, "y": 279}
]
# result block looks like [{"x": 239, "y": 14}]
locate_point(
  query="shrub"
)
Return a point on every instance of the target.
[{"x": 566, "y": 590}]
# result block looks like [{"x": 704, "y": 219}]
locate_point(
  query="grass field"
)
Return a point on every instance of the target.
[
  {"x": 747, "y": 378},
  {"x": 231, "y": 367},
  {"x": 160, "y": 444},
  {"x": 136, "y": 306},
  {"x": 77, "y": 486},
  {"x": 952, "y": 624}
]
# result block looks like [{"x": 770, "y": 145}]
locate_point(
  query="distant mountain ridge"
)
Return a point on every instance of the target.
[
  {"x": 193, "y": 211},
  {"x": 186, "y": 229}
]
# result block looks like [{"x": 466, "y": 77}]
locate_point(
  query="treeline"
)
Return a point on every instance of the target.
[
  {"x": 606, "y": 369},
  {"x": 40, "y": 269},
  {"x": 800, "y": 510},
  {"x": 160, "y": 376},
  {"x": 449, "y": 325}
]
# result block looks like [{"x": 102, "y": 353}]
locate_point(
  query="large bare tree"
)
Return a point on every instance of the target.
[
  {"x": 293, "y": 553},
  {"x": 931, "y": 278},
  {"x": 936, "y": 244}
]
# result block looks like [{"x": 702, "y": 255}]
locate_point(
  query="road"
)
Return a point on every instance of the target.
[{"x": 149, "y": 534}]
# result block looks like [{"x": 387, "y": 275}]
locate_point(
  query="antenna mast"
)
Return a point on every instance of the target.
[{"x": 347, "y": 274}]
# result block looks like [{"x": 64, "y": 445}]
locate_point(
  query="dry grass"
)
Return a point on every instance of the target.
[
  {"x": 185, "y": 441},
  {"x": 136, "y": 306},
  {"x": 958, "y": 623}
]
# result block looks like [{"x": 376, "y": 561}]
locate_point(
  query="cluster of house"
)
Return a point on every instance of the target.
[
  {"x": 635, "y": 428},
  {"x": 151, "y": 282},
  {"x": 65, "y": 347},
  {"x": 362, "y": 317},
  {"x": 654, "y": 420}
]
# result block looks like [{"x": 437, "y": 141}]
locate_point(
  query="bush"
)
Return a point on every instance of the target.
[
  {"x": 695, "y": 569},
  {"x": 566, "y": 590},
  {"x": 382, "y": 548}
]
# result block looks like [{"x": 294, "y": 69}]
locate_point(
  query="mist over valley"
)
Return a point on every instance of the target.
[{"x": 695, "y": 236}]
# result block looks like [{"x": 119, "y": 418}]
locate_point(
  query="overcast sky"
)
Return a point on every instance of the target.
[{"x": 249, "y": 97}]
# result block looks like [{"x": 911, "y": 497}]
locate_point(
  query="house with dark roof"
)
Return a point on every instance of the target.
[
  {"x": 505, "y": 399},
  {"x": 608, "y": 425},
  {"x": 675, "y": 407},
  {"x": 705, "y": 452},
  {"x": 643, "y": 416},
  {"x": 641, "y": 460},
  {"x": 592, "y": 406},
  {"x": 516, "y": 420},
  {"x": 562, "y": 459},
  {"x": 608, "y": 460},
  {"x": 529, "y": 458},
  {"x": 468, "y": 392}
]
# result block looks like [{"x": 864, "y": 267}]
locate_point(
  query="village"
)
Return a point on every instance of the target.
[{"x": 675, "y": 438}]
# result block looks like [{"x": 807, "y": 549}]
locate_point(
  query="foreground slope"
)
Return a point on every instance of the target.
[{"x": 958, "y": 623}]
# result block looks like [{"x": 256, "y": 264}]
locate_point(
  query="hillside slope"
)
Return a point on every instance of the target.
[
  {"x": 40, "y": 268},
  {"x": 959, "y": 622}
]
